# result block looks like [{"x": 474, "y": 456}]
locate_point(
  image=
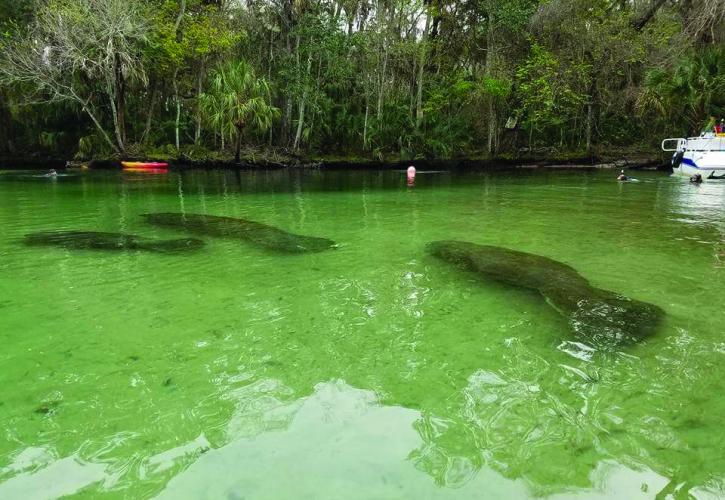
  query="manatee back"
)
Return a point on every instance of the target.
[
  {"x": 597, "y": 316},
  {"x": 262, "y": 235},
  {"x": 508, "y": 266},
  {"x": 82, "y": 240},
  {"x": 92, "y": 240}
]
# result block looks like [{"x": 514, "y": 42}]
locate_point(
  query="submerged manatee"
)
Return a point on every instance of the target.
[
  {"x": 80, "y": 240},
  {"x": 257, "y": 233},
  {"x": 597, "y": 315}
]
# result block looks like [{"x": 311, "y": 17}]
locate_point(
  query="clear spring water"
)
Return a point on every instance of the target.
[{"x": 369, "y": 371}]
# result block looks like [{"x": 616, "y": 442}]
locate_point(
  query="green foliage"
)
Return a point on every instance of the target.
[
  {"x": 238, "y": 101},
  {"x": 202, "y": 32},
  {"x": 383, "y": 79},
  {"x": 693, "y": 89},
  {"x": 547, "y": 90}
]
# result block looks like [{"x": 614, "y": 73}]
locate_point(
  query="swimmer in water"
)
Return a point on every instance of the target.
[
  {"x": 52, "y": 173},
  {"x": 411, "y": 175},
  {"x": 696, "y": 179},
  {"x": 622, "y": 176}
]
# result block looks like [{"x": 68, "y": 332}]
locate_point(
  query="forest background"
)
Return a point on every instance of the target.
[{"x": 381, "y": 79}]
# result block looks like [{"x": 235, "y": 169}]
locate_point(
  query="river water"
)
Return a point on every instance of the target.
[{"x": 372, "y": 370}]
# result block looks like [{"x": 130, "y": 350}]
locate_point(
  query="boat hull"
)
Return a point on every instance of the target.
[
  {"x": 704, "y": 155},
  {"x": 711, "y": 166}
]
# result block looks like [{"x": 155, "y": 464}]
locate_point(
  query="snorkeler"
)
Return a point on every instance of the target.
[
  {"x": 696, "y": 179},
  {"x": 52, "y": 173},
  {"x": 622, "y": 177}
]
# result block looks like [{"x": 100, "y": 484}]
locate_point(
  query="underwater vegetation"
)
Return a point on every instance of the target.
[
  {"x": 599, "y": 316},
  {"x": 91, "y": 240},
  {"x": 259, "y": 234}
]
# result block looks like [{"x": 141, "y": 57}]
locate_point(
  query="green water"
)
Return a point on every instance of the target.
[{"x": 369, "y": 371}]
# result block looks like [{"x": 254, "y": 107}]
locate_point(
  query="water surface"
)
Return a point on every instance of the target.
[{"x": 371, "y": 370}]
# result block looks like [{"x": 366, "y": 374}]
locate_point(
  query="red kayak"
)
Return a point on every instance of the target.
[{"x": 139, "y": 165}]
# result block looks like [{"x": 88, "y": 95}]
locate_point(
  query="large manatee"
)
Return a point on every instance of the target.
[
  {"x": 257, "y": 233},
  {"x": 600, "y": 316},
  {"x": 92, "y": 240}
]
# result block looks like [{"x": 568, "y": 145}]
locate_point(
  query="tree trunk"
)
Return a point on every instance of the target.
[
  {"x": 301, "y": 118},
  {"x": 98, "y": 125},
  {"x": 531, "y": 140},
  {"x": 180, "y": 17},
  {"x": 645, "y": 18},
  {"x": 120, "y": 98},
  {"x": 421, "y": 68},
  {"x": 199, "y": 89},
  {"x": 238, "y": 153},
  {"x": 287, "y": 118},
  {"x": 150, "y": 115},
  {"x": 114, "y": 114},
  {"x": 491, "y": 140},
  {"x": 592, "y": 104},
  {"x": 381, "y": 85},
  {"x": 178, "y": 107},
  {"x": 411, "y": 110},
  {"x": 590, "y": 121},
  {"x": 491, "y": 143},
  {"x": 365, "y": 125},
  {"x": 86, "y": 108},
  {"x": 177, "y": 26}
]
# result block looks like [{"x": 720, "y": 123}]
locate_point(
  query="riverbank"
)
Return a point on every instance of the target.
[{"x": 635, "y": 161}]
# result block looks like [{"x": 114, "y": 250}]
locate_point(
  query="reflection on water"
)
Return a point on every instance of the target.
[{"x": 219, "y": 373}]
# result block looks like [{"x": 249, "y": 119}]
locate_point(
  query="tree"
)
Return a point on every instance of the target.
[
  {"x": 547, "y": 96},
  {"x": 78, "y": 49},
  {"x": 238, "y": 100},
  {"x": 187, "y": 36},
  {"x": 403, "y": 78},
  {"x": 693, "y": 90}
]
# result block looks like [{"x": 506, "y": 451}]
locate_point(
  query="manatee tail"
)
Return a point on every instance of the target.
[{"x": 605, "y": 317}]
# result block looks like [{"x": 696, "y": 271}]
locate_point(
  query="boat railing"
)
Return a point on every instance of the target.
[
  {"x": 680, "y": 144},
  {"x": 703, "y": 144}
]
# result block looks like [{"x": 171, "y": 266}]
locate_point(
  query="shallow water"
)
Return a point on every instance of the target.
[{"x": 372, "y": 370}]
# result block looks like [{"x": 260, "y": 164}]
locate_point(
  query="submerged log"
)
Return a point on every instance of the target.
[
  {"x": 597, "y": 315},
  {"x": 91, "y": 240},
  {"x": 262, "y": 235}
]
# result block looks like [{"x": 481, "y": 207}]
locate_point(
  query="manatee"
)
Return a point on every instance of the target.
[
  {"x": 91, "y": 240},
  {"x": 599, "y": 316},
  {"x": 256, "y": 233}
]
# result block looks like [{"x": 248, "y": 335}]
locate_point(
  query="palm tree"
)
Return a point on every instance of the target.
[
  {"x": 691, "y": 91},
  {"x": 237, "y": 99}
]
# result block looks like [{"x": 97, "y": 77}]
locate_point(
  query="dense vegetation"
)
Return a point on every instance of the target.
[{"x": 436, "y": 78}]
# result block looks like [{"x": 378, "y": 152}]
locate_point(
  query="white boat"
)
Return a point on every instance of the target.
[{"x": 704, "y": 155}]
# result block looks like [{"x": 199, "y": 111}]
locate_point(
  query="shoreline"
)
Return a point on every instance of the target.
[{"x": 628, "y": 162}]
